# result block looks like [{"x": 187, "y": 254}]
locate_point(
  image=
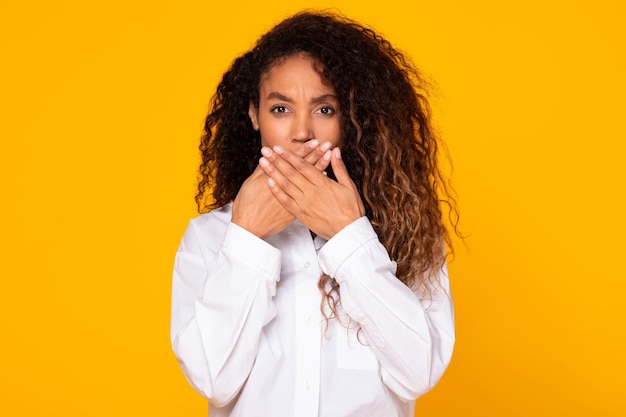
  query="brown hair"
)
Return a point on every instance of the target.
[{"x": 389, "y": 145}]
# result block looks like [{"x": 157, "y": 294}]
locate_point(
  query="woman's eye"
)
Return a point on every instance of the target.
[
  {"x": 326, "y": 110},
  {"x": 279, "y": 109}
]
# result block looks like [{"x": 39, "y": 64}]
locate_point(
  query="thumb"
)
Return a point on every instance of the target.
[
  {"x": 258, "y": 171},
  {"x": 343, "y": 178},
  {"x": 339, "y": 168}
]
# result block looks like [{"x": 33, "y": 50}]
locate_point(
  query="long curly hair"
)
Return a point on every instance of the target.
[{"x": 389, "y": 145}]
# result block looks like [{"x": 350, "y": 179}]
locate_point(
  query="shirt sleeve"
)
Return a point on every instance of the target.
[
  {"x": 222, "y": 296},
  {"x": 412, "y": 338}
]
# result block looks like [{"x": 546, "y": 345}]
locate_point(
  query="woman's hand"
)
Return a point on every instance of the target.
[
  {"x": 323, "y": 205},
  {"x": 256, "y": 209}
]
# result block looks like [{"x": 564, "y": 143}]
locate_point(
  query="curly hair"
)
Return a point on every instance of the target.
[{"x": 389, "y": 145}]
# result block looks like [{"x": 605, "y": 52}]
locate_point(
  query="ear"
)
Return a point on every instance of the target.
[{"x": 253, "y": 112}]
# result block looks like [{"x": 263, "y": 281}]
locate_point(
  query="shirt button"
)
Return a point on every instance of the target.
[
  {"x": 307, "y": 385},
  {"x": 307, "y": 265}
]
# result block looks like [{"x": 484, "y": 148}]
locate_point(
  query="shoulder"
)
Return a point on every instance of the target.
[
  {"x": 207, "y": 230},
  {"x": 214, "y": 218}
]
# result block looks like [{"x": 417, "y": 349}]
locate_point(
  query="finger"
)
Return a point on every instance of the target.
[
  {"x": 294, "y": 167},
  {"x": 339, "y": 168},
  {"x": 317, "y": 154},
  {"x": 343, "y": 177},
  {"x": 282, "y": 197},
  {"x": 308, "y": 148},
  {"x": 270, "y": 161},
  {"x": 274, "y": 162},
  {"x": 324, "y": 161},
  {"x": 284, "y": 181}
]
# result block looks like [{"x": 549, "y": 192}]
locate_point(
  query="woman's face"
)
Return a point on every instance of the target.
[{"x": 296, "y": 106}]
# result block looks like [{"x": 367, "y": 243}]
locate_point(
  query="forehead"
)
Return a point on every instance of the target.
[{"x": 293, "y": 72}]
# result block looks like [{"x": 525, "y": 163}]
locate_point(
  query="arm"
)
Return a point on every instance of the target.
[
  {"x": 412, "y": 338},
  {"x": 221, "y": 298},
  {"x": 224, "y": 283}
]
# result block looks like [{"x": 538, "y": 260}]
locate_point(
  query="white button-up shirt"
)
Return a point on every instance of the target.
[{"x": 249, "y": 334}]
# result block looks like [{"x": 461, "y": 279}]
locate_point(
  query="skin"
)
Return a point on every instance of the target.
[
  {"x": 295, "y": 106},
  {"x": 297, "y": 110},
  {"x": 256, "y": 209}
]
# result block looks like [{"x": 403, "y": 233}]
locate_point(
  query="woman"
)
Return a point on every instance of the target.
[{"x": 314, "y": 284}]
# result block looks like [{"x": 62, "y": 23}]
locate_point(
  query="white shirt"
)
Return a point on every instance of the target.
[{"x": 249, "y": 334}]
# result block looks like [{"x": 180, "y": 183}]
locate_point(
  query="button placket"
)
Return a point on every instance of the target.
[{"x": 308, "y": 340}]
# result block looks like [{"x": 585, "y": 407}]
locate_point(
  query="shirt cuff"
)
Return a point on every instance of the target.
[
  {"x": 252, "y": 250},
  {"x": 345, "y": 243}
]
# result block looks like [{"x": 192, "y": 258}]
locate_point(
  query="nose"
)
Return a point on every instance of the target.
[{"x": 302, "y": 129}]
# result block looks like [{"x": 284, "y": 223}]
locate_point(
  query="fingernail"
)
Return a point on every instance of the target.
[
  {"x": 338, "y": 153},
  {"x": 267, "y": 152},
  {"x": 327, "y": 156},
  {"x": 264, "y": 163},
  {"x": 326, "y": 146},
  {"x": 313, "y": 143},
  {"x": 278, "y": 149}
]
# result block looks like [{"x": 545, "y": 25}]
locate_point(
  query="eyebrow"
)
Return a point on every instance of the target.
[{"x": 282, "y": 97}]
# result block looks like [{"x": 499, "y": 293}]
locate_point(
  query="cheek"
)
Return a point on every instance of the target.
[
  {"x": 334, "y": 134},
  {"x": 272, "y": 132}
]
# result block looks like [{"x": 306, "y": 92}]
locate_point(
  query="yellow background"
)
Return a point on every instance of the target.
[{"x": 102, "y": 105}]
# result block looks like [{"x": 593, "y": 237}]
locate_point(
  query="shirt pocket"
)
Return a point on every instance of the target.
[{"x": 353, "y": 352}]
